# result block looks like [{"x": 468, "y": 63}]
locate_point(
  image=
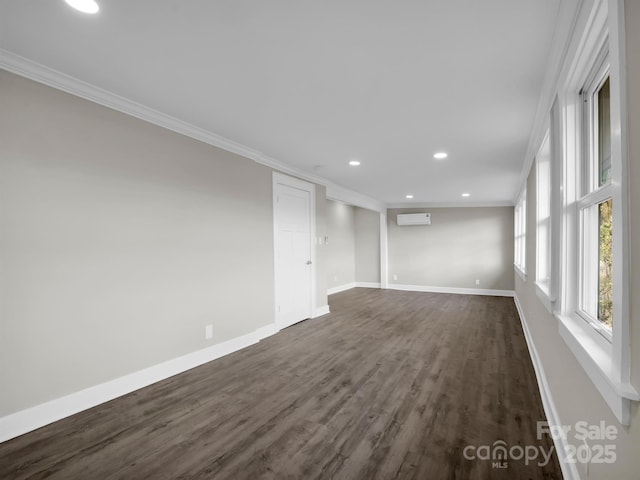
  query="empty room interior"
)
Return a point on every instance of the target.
[{"x": 320, "y": 240}]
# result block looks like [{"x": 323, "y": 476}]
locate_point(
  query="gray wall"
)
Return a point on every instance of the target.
[
  {"x": 119, "y": 242},
  {"x": 341, "y": 266},
  {"x": 461, "y": 245},
  {"x": 367, "y": 245}
]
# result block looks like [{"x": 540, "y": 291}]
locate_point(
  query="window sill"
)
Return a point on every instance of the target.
[
  {"x": 542, "y": 291},
  {"x": 595, "y": 355},
  {"x": 521, "y": 274}
]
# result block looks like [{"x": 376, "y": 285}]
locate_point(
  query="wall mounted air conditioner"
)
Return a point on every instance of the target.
[{"x": 414, "y": 219}]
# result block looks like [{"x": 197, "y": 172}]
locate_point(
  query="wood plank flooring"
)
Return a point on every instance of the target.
[{"x": 390, "y": 385}]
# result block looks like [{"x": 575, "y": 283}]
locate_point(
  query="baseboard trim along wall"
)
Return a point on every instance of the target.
[
  {"x": 341, "y": 288},
  {"x": 423, "y": 288},
  {"x": 569, "y": 469},
  {"x": 349, "y": 286},
  {"x": 462, "y": 291},
  {"x": 32, "y": 418},
  {"x": 320, "y": 311}
]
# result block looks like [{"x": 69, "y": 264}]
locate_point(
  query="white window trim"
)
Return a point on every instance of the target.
[
  {"x": 606, "y": 361},
  {"x": 521, "y": 274},
  {"x": 589, "y": 195},
  {"x": 543, "y": 287},
  {"x": 543, "y": 295},
  {"x": 520, "y": 232}
]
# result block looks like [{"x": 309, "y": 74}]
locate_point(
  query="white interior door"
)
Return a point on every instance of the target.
[{"x": 293, "y": 250}]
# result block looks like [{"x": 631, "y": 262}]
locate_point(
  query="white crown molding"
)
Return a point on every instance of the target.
[
  {"x": 38, "y": 416},
  {"x": 569, "y": 470},
  {"x": 344, "y": 195},
  {"x": 451, "y": 205},
  {"x": 24, "y": 67},
  {"x": 39, "y": 73},
  {"x": 456, "y": 290}
]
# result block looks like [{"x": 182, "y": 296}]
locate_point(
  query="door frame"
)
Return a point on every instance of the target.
[{"x": 281, "y": 179}]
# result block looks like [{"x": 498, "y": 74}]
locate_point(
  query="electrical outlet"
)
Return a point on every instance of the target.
[
  {"x": 208, "y": 332},
  {"x": 477, "y": 282},
  {"x": 335, "y": 278},
  {"x": 395, "y": 276}
]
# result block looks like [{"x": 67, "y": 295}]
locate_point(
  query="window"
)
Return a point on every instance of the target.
[
  {"x": 520, "y": 234},
  {"x": 593, "y": 293},
  {"x": 543, "y": 217},
  {"x": 595, "y": 201}
]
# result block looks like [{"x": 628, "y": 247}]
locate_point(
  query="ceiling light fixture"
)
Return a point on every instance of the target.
[
  {"x": 84, "y": 6},
  {"x": 440, "y": 155},
  {"x": 354, "y": 163},
  {"x": 409, "y": 196},
  {"x": 466, "y": 194}
]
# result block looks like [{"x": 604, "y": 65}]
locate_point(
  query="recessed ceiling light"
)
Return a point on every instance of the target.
[
  {"x": 409, "y": 196},
  {"x": 440, "y": 155},
  {"x": 466, "y": 194},
  {"x": 354, "y": 163},
  {"x": 85, "y": 6}
]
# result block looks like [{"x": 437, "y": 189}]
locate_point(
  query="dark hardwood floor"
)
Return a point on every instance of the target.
[{"x": 389, "y": 385}]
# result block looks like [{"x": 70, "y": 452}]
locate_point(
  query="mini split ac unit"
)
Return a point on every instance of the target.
[{"x": 414, "y": 219}]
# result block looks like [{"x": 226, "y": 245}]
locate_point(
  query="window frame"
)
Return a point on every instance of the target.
[
  {"x": 605, "y": 360},
  {"x": 544, "y": 222},
  {"x": 520, "y": 234},
  {"x": 591, "y": 193}
]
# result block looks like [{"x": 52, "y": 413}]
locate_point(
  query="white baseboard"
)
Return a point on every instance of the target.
[
  {"x": 266, "y": 331},
  {"x": 341, "y": 288},
  {"x": 463, "y": 291},
  {"x": 569, "y": 469},
  {"x": 320, "y": 311},
  {"x": 349, "y": 286},
  {"x": 32, "y": 418}
]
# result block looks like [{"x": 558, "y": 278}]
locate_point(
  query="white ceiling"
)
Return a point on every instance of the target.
[{"x": 315, "y": 84}]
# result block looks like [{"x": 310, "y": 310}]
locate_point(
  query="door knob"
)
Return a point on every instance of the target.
[{"x": 308, "y": 262}]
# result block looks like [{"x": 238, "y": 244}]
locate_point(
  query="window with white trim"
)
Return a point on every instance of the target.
[
  {"x": 543, "y": 216},
  {"x": 520, "y": 234},
  {"x": 593, "y": 310},
  {"x": 595, "y": 204}
]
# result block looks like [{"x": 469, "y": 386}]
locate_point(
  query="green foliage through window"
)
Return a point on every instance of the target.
[{"x": 605, "y": 247}]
